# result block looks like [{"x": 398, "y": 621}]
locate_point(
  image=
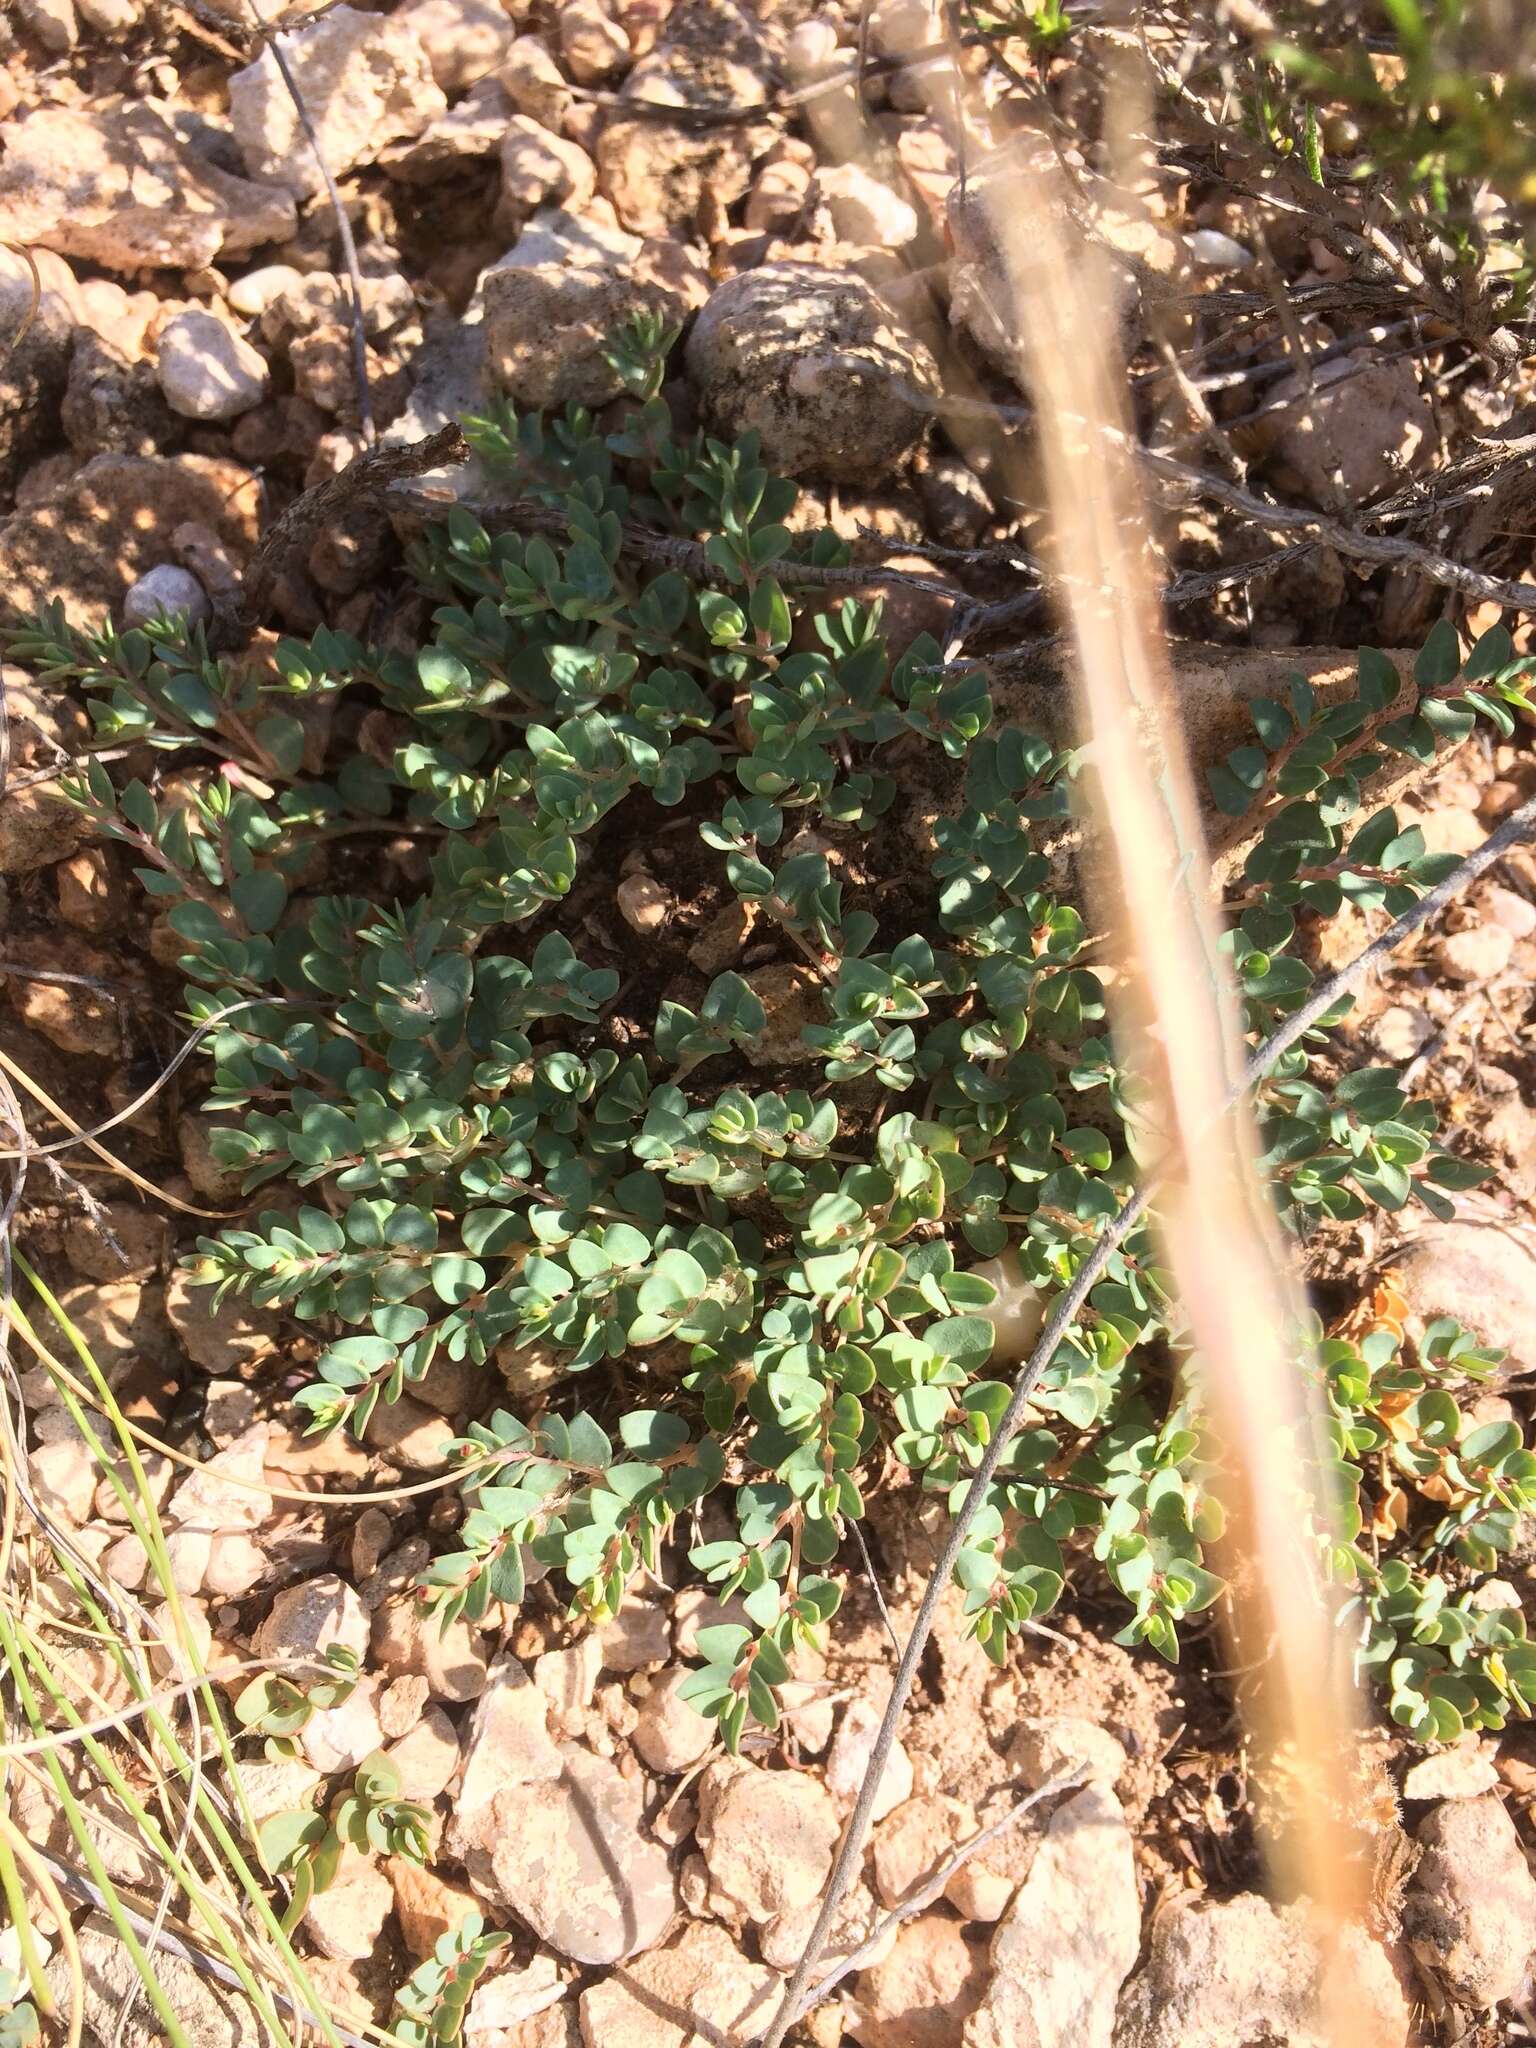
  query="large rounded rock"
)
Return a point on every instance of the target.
[
  {"x": 1244, "y": 1970},
  {"x": 169, "y": 592},
  {"x": 410, "y": 1641},
  {"x": 1481, "y": 1271},
  {"x": 366, "y": 81},
  {"x": 853, "y": 1747},
  {"x": 110, "y": 522},
  {"x": 463, "y": 39},
  {"x": 783, "y": 1941},
  {"x": 818, "y": 366},
  {"x": 426, "y": 1756},
  {"x": 767, "y": 1838},
  {"x": 507, "y": 1745},
  {"x": 567, "y": 1856},
  {"x": 1350, "y": 430},
  {"x": 914, "y": 1841},
  {"x": 221, "y": 1340},
  {"x": 1470, "y": 1914},
  {"x": 554, "y": 303},
  {"x": 346, "y": 1922},
  {"x": 36, "y": 829},
  {"x": 659, "y": 174}
]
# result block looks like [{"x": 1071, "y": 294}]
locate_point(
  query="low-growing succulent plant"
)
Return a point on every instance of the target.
[
  {"x": 751, "y": 1282},
  {"x": 307, "y": 1847},
  {"x": 430, "y": 2004},
  {"x": 277, "y": 1706},
  {"x": 19, "y": 2026}
]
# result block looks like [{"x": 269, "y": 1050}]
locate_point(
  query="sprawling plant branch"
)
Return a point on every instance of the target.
[{"x": 1518, "y": 826}]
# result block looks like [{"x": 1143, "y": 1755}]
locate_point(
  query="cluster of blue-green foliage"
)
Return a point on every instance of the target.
[{"x": 776, "y": 1267}]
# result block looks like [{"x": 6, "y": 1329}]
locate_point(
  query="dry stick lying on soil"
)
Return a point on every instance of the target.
[
  {"x": 386, "y": 469},
  {"x": 273, "y": 40},
  {"x": 646, "y": 544},
  {"x": 973, "y": 618},
  {"x": 380, "y": 470},
  {"x": 366, "y": 474},
  {"x": 1462, "y": 482},
  {"x": 1065, "y": 1781},
  {"x": 1386, "y": 550},
  {"x": 79, "y": 1886},
  {"x": 1519, "y": 825},
  {"x": 667, "y": 551}
]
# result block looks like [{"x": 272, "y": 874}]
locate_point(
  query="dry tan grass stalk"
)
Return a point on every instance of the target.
[
  {"x": 1177, "y": 1027},
  {"x": 1177, "y": 1023}
]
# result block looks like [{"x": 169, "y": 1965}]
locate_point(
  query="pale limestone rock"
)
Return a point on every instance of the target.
[
  {"x": 131, "y": 190},
  {"x": 1239, "y": 1969},
  {"x": 1070, "y": 1938},
  {"x": 924, "y": 1990},
  {"x": 507, "y": 1744},
  {"x": 699, "y": 1988},
  {"x": 848, "y": 1759},
  {"x": 366, "y": 81},
  {"x": 311, "y": 1617},
  {"x": 1470, "y": 1912},
  {"x": 206, "y": 370},
  {"x": 766, "y": 1836},
  {"x": 463, "y": 39},
  {"x": 670, "y": 1735},
  {"x": 567, "y": 1856}
]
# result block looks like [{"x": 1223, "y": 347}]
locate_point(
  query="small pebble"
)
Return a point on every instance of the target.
[
  {"x": 109, "y": 17},
  {"x": 1212, "y": 250},
  {"x": 52, "y": 22},
  {"x": 207, "y": 371},
  {"x": 169, "y": 590},
  {"x": 1512, "y": 913},
  {"x": 595, "y": 48},
  {"x": 253, "y": 293},
  {"x": 643, "y": 903},
  {"x": 1399, "y": 1033},
  {"x": 809, "y": 46},
  {"x": 1478, "y": 954},
  {"x": 1460, "y": 1773}
]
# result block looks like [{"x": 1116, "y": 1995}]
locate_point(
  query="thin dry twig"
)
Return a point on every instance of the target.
[
  {"x": 872, "y": 1578},
  {"x": 1518, "y": 826},
  {"x": 646, "y": 544},
  {"x": 974, "y": 621},
  {"x": 84, "y": 1888},
  {"x": 323, "y": 503},
  {"x": 28, "y": 1148},
  {"x": 272, "y": 37},
  {"x": 933, "y": 1887},
  {"x": 1384, "y": 550}
]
